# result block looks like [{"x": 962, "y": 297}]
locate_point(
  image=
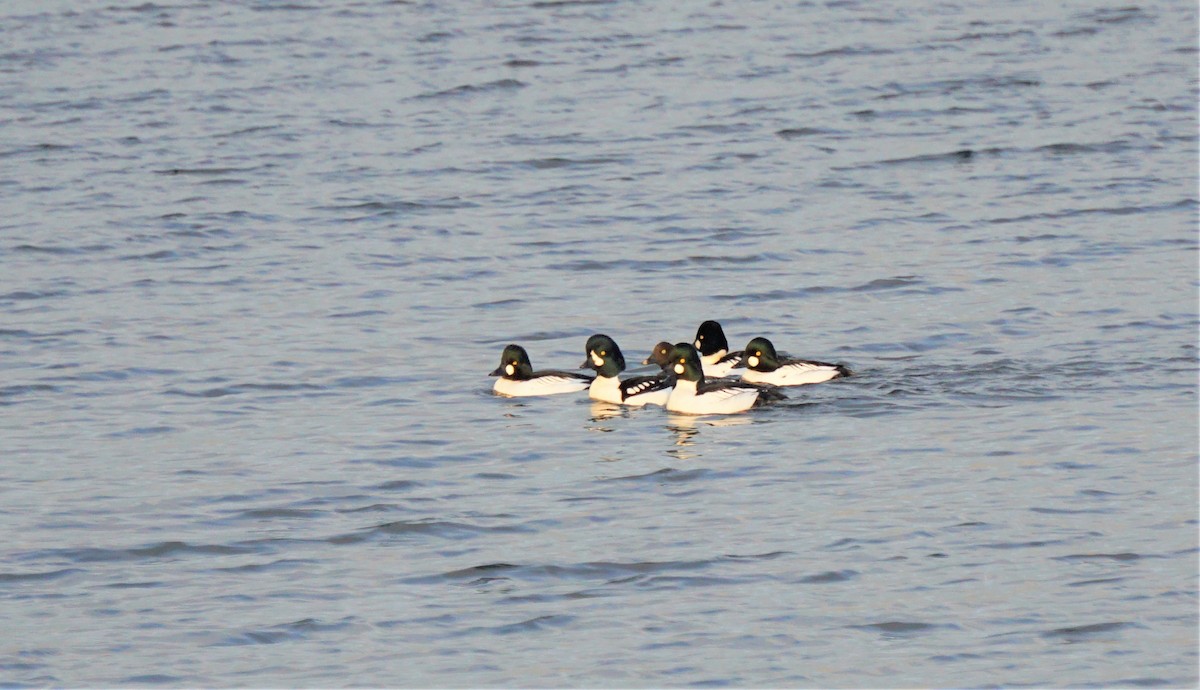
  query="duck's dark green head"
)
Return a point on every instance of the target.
[
  {"x": 760, "y": 355},
  {"x": 603, "y": 355},
  {"x": 710, "y": 338},
  {"x": 514, "y": 364},
  {"x": 660, "y": 355},
  {"x": 685, "y": 362}
]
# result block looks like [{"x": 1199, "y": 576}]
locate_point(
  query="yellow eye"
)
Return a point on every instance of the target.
[
  {"x": 603, "y": 353},
  {"x": 664, "y": 351},
  {"x": 682, "y": 360},
  {"x": 757, "y": 353}
]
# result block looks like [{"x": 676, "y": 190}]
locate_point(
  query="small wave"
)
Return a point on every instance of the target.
[
  {"x": 1151, "y": 682},
  {"x": 958, "y": 156},
  {"x": 802, "y": 132},
  {"x": 161, "y": 550},
  {"x": 1099, "y": 581},
  {"x": 722, "y": 128},
  {"x": 990, "y": 35},
  {"x": 160, "y": 255},
  {"x": 280, "y": 564},
  {"x": 273, "y": 513},
  {"x": 356, "y": 314},
  {"x": 61, "y": 251},
  {"x": 540, "y": 335},
  {"x": 1098, "y": 210},
  {"x": 498, "y": 303},
  {"x": 444, "y": 529},
  {"x": 139, "y": 431},
  {"x": 144, "y": 584},
  {"x": 366, "y": 210},
  {"x": 1072, "y": 148},
  {"x": 540, "y": 623},
  {"x": 154, "y": 679},
  {"x": 904, "y": 283},
  {"x": 34, "y": 148},
  {"x": 205, "y": 172},
  {"x": 115, "y": 374},
  {"x": 16, "y": 578},
  {"x": 285, "y": 7},
  {"x": 1114, "y": 15},
  {"x": 904, "y": 628},
  {"x": 768, "y": 556},
  {"x": 1082, "y": 632},
  {"x": 14, "y": 391},
  {"x": 828, "y": 577},
  {"x": 1068, "y": 511},
  {"x": 556, "y": 162},
  {"x": 16, "y": 333},
  {"x": 24, "y": 295},
  {"x": 398, "y": 485},
  {"x": 242, "y": 388},
  {"x": 638, "y": 265},
  {"x": 1032, "y": 544},
  {"x": 548, "y": 4},
  {"x": 246, "y": 131},
  {"x": 842, "y": 51},
  {"x": 667, "y": 474},
  {"x": 296, "y": 630},
  {"x": 367, "y": 381},
  {"x": 607, "y": 571},
  {"x": 473, "y": 89},
  {"x": 1123, "y": 556}
]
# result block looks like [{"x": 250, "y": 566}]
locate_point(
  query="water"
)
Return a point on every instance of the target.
[{"x": 256, "y": 259}]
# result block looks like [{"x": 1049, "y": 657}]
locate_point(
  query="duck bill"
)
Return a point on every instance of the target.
[
  {"x": 498, "y": 372},
  {"x": 587, "y": 364}
]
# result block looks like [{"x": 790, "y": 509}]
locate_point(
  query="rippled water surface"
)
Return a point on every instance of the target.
[{"x": 256, "y": 259}]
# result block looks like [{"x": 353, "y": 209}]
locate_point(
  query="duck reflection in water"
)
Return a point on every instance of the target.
[
  {"x": 603, "y": 411},
  {"x": 686, "y": 429}
]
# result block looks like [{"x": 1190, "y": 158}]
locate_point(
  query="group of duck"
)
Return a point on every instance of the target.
[{"x": 696, "y": 378}]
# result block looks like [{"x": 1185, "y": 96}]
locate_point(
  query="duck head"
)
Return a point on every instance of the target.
[{"x": 514, "y": 364}]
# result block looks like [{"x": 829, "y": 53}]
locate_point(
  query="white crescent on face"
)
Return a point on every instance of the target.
[
  {"x": 596, "y": 359},
  {"x": 697, "y": 343},
  {"x": 752, "y": 361},
  {"x": 678, "y": 368},
  {"x": 509, "y": 369}
]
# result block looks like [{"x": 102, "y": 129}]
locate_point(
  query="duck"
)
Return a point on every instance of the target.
[
  {"x": 764, "y": 365},
  {"x": 692, "y": 394},
  {"x": 606, "y": 358},
  {"x": 518, "y": 379},
  {"x": 660, "y": 355},
  {"x": 715, "y": 356}
]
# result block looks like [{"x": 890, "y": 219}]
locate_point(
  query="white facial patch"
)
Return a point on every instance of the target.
[
  {"x": 752, "y": 361},
  {"x": 509, "y": 369},
  {"x": 597, "y": 359},
  {"x": 679, "y": 369},
  {"x": 697, "y": 343}
]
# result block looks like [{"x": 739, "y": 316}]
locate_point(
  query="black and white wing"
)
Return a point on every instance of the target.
[
  {"x": 639, "y": 385},
  {"x": 733, "y": 360}
]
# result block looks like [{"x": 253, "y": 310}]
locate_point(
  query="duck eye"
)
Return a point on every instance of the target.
[
  {"x": 682, "y": 360},
  {"x": 603, "y": 353},
  {"x": 758, "y": 353}
]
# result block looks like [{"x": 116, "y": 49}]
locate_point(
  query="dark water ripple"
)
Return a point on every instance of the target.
[{"x": 250, "y": 286}]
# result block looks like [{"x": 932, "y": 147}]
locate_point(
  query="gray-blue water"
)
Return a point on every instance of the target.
[{"x": 257, "y": 258}]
